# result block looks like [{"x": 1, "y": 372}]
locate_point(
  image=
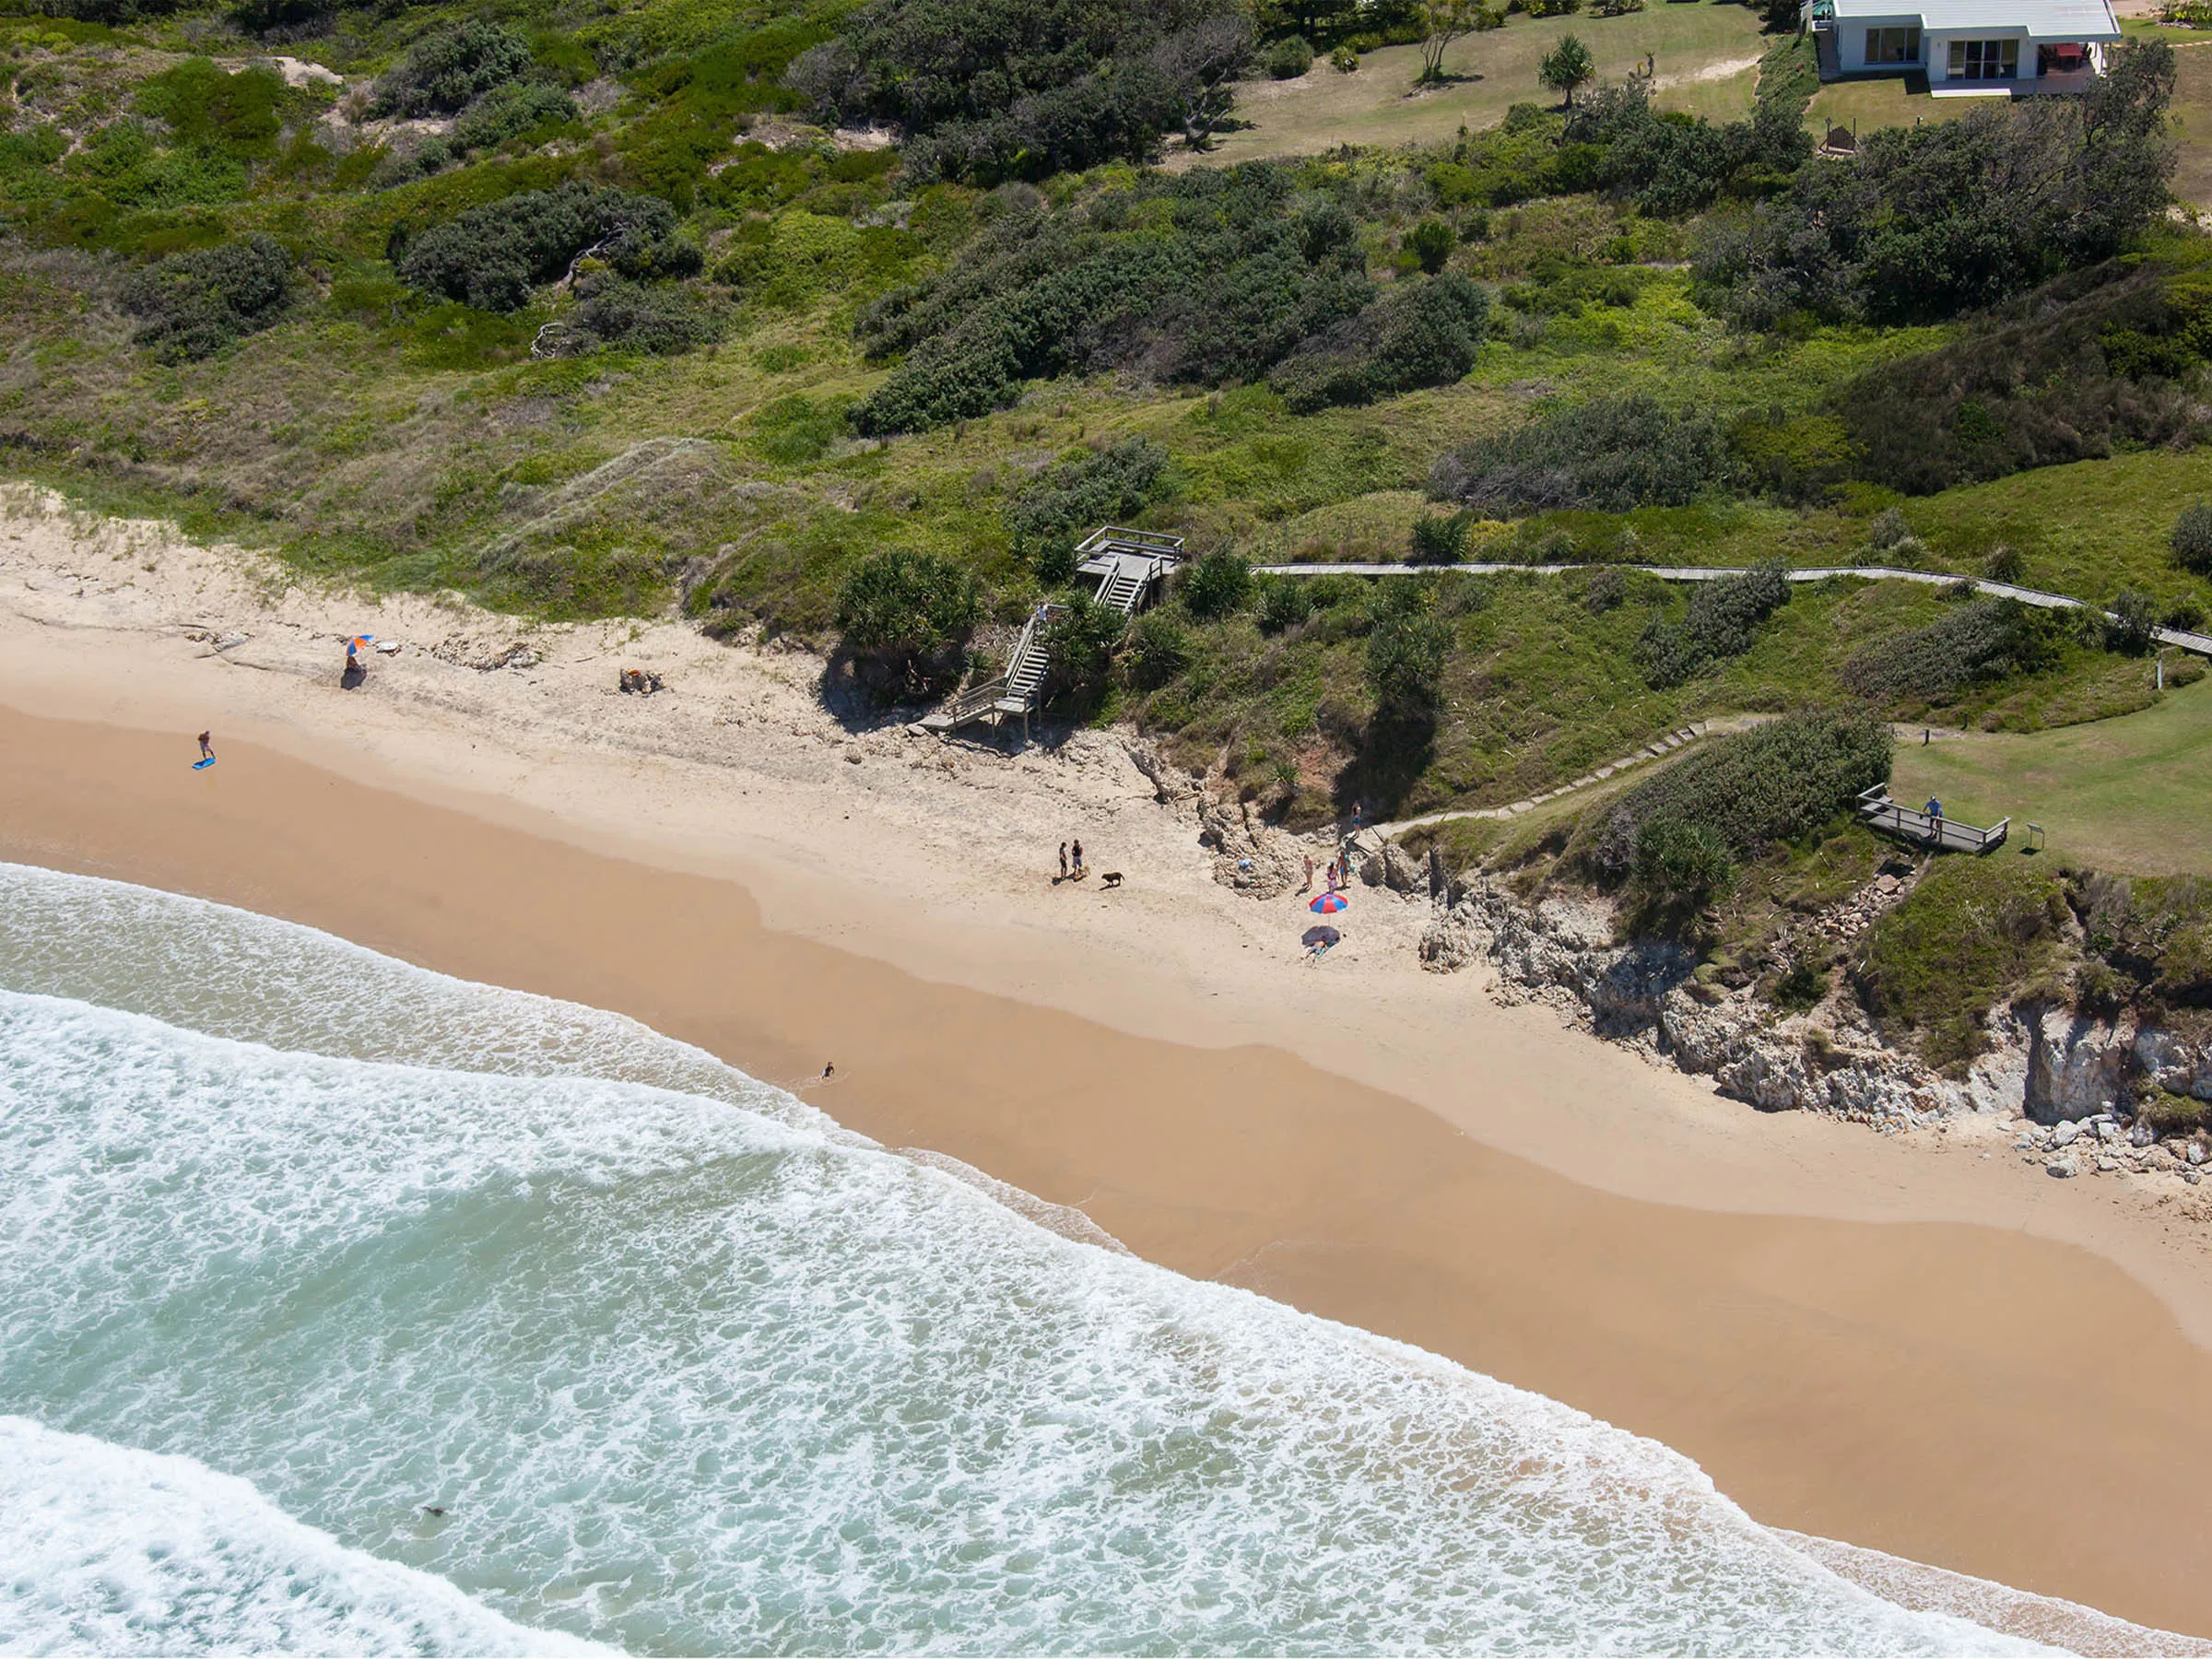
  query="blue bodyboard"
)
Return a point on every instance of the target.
[{"x": 203, "y": 765}]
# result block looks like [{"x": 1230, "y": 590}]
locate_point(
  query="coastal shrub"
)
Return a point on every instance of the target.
[
  {"x": 1671, "y": 165},
  {"x": 906, "y": 616},
  {"x": 1070, "y": 499},
  {"x": 1927, "y": 220},
  {"x": 1285, "y": 603},
  {"x": 1440, "y": 538},
  {"x": 1219, "y": 585},
  {"x": 1079, "y": 642},
  {"x": 492, "y": 256},
  {"x": 664, "y": 320},
  {"x": 1159, "y": 649},
  {"x": 1720, "y": 622},
  {"x": 1681, "y": 865},
  {"x": 1204, "y": 277},
  {"x": 2129, "y": 622},
  {"x": 1971, "y": 932},
  {"x": 1606, "y": 589},
  {"x": 1406, "y": 646},
  {"x": 207, "y": 107},
  {"x": 2190, "y": 540},
  {"x": 1416, "y": 333},
  {"x": 1611, "y": 454},
  {"x": 1750, "y": 789},
  {"x": 1289, "y": 58},
  {"x": 1981, "y": 641},
  {"x": 991, "y": 89},
  {"x": 1430, "y": 243},
  {"x": 2033, "y": 385},
  {"x": 195, "y": 303},
  {"x": 2152, "y": 934},
  {"x": 511, "y": 111},
  {"x": 448, "y": 67}
]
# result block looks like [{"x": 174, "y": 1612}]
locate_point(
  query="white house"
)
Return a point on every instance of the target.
[{"x": 1966, "y": 48}]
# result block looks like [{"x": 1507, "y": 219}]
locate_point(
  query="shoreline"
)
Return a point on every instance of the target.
[{"x": 1902, "y": 1345}]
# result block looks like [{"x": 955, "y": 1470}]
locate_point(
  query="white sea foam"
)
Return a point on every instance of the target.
[
  {"x": 229, "y": 972},
  {"x": 111, "y": 1551},
  {"x": 686, "y": 1375}
]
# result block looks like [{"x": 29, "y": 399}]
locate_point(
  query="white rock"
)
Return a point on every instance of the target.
[
  {"x": 2106, "y": 1166},
  {"x": 2064, "y": 1166},
  {"x": 2065, "y": 1135}
]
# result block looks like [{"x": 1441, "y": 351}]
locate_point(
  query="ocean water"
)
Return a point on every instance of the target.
[{"x": 345, "y": 1306}]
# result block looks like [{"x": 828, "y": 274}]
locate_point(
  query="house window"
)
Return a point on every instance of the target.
[
  {"x": 1985, "y": 60},
  {"x": 1893, "y": 46}
]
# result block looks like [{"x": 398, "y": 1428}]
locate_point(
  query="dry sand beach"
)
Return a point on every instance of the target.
[{"x": 1913, "y": 1343}]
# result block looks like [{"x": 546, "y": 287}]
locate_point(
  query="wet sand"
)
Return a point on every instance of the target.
[{"x": 1970, "y": 1395}]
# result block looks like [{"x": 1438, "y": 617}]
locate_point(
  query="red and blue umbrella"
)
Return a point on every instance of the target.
[{"x": 1328, "y": 904}]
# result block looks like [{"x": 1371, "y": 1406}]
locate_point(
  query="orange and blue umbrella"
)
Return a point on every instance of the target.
[
  {"x": 359, "y": 643},
  {"x": 1328, "y": 904}
]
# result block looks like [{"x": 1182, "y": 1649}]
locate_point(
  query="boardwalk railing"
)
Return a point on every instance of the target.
[{"x": 1925, "y": 828}]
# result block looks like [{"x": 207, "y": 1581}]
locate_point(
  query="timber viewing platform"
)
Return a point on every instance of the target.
[{"x": 1930, "y": 830}]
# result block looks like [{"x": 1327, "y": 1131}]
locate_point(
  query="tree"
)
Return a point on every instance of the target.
[
  {"x": 1217, "y": 586},
  {"x": 1567, "y": 66},
  {"x": 1681, "y": 865},
  {"x": 2128, "y": 628},
  {"x": 1431, "y": 242},
  {"x": 1078, "y": 645},
  {"x": 1440, "y": 538},
  {"x": 908, "y": 613},
  {"x": 1202, "y": 64},
  {"x": 1406, "y": 649},
  {"x": 2192, "y": 539},
  {"x": 1445, "y": 21}
]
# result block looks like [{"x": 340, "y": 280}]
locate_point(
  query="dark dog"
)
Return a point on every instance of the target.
[{"x": 1111, "y": 878}]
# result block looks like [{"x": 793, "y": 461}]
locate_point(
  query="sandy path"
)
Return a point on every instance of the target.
[{"x": 1366, "y": 1141}]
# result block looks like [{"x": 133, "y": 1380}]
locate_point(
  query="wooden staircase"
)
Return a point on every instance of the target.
[
  {"x": 1016, "y": 691},
  {"x": 1123, "y": 591}
]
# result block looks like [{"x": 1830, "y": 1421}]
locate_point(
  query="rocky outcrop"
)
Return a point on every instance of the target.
[
  {"x": 1645, "y": 993},
  {"x": 1446, "y": 943},
  {"x": 2177, "y": 1064},
  {"x": 1248, "y": 854},
  {"x": 2052, "y": 1065},
  {"x": 2078, "y": 1065}
]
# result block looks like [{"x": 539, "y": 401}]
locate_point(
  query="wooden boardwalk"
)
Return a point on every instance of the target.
[
  {"x": 2198, "y": 643},
  {"x": 1925, "y": 828}
]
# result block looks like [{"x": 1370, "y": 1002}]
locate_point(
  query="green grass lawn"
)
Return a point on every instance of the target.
[
  {"x": 1892, "y": 101},
  {"x": 2132, "y": 794},
  {"x": 1705, "y": 53},
  {"x": 2193, "y": 112}
]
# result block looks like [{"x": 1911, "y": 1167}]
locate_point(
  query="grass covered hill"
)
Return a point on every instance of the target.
[{"x": 776, "y": 314}]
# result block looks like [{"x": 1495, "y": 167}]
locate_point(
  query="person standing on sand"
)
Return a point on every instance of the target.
[
  {"x": 1063, "y": 861},
  {"x": 1308, "y": 884},
  {"x": 1078, "y": 851}
]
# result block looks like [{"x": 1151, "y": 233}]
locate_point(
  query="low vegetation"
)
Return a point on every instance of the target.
[
  {"x": 1972, "y": 931},
  {"x": 597, "y": 314}
]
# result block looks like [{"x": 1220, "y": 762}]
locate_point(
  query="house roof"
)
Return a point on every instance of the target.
[{"x": 2043, "y": 20}]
